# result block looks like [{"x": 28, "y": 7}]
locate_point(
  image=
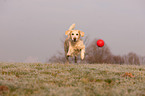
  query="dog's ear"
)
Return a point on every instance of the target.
[
  {"x": 67, "y": 32},
  {"x": 81, "y": 33}
]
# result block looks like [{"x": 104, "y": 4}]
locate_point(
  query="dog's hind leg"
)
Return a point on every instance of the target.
[
  {"x": 75, "y": 59},
  {"x": 67, "y": 59}
]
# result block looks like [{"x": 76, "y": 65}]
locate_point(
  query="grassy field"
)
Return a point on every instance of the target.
[{"x": 23, "y": 79}]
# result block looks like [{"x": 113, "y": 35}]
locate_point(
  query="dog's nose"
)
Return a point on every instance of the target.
[{"x": 74, "y": 39}]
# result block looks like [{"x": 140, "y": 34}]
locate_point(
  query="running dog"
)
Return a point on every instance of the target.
[{"x": 73, "y": 45}]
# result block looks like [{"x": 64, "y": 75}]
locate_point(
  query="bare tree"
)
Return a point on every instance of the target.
[
  {"x": 118, "y": 60},
  {"x": 142, "y": 60},
  {"x": 95, "y": 54},
  {"x": 133, "y": 58}
]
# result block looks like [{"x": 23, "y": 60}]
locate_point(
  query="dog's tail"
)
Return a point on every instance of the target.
[{"x": 72, "y": 27}]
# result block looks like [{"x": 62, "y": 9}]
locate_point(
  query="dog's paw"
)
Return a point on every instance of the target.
[{"x": 68, "y": 54}]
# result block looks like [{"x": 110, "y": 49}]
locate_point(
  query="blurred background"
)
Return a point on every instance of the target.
[{"x": 33, "y": 30}]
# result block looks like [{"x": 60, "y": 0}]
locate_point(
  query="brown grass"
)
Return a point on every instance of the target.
[{"x": 24, "y": 79}]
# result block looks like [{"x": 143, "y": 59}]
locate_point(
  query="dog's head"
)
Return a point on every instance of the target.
[{"x": 74, "y": 34}]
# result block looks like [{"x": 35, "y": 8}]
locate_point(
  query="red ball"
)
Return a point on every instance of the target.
[{"x": 100, "y": 43}]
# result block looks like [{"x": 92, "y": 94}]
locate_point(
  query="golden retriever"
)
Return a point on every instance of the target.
[{"x": 73, "y": 45}]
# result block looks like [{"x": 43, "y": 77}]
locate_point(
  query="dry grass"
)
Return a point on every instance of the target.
[{"x": 21, "y": 79}]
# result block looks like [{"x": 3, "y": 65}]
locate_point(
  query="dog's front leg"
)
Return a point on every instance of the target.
[
  {"x": 69, "y": 53},
  {"x": 82, "y": 53}
]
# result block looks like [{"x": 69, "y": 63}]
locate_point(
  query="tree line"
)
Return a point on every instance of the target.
[{"x": 97, "y": 55}]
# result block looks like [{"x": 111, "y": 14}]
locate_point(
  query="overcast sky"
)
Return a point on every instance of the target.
[{"x": 33, "y": 28}]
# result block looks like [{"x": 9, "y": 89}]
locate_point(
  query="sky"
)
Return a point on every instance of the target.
[{"x": 32, "y": 30}]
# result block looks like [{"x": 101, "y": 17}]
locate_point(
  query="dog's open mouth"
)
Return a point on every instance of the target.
[{"x": 75, "y": 40}]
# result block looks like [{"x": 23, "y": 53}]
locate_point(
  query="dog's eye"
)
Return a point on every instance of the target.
[
  {"x": 72, "y": 33},
  {"x": 77, "y": 34}
]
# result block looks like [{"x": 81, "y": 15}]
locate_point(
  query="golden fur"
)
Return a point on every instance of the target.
[{"x": 73, "y": 45}]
